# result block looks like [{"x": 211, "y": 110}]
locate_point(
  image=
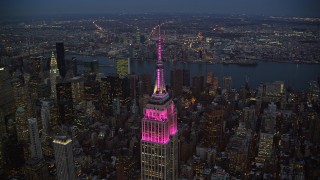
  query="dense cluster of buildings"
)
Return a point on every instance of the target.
[
  {"x": 207, "y": 38},
  {"x": 56, "y": 123}
]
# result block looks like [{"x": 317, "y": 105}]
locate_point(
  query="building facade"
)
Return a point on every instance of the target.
[
  {"x": 54, "y": 73},
  {"x": 214, "y": 128},
  {"x": 227, "y": 83},
  {"x": 35, "y": 144},
  {"x": 64, "y": 158},
  {"x": 60, "y": 58},
  {"x": 65, "y": 102},
  {"x": 123, "y": 67}
]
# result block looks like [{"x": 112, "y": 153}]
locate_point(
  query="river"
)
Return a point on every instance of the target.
[{"x": 294, "y": 75}]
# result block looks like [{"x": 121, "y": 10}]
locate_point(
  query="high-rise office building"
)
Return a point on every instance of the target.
[
  {"x": 65, "y": 103},
  {"x": 92, "y": 92},
  {"x": 186, "y": 77},
  {"x": 44, "y": 90},
  {"x": 145, "y": 86},
  {"x": 114, "y": 86},
  {"x": 108, "y": 84},
  {"x": 125, "y": 168},
  {"x": 209, "y": 80},
  {"x": 176, "y": 81},
  {"x": 227, "y": 83},
  {"x": 197, "y": 85},
  {"x": 215, "y": 83},
  {"x": 92, "y": 66},
  {"x": 54, "y": 73},
  {"x": 64, "y": 158},
  {"x": 22, "y": 130},
  {"x": 77, "y": 89},
  {"x": 314, "y": 90},
  {"x": 6, "y": 95},
  {"x": 109, "y": 90},
  {"x": 35, "y": 64},
  {"x": 20, "y": 93},
  {"x": 266, "y": 147},
  {"x": 36, "y": 169},
  {"x": 133, "y": 85},
  {"x": 22, "y": 124},
  {"x": 238, "y": 151},
  {"x": 35, "y": 144},
  {"x": 214, "y": 126},
  {"x": 14, "y": 152},
  {"x": 125, "y": 91},
  {"x": 64, "y": 90},
  {"x": 33, "y": 89},
  {"x": 249, "y": 118},
  {"x": 159, "y": 143},
  {"x": 133, "y": 93},
  {"x": 60, "y": 59},
  {"x": 123, "y": 67},
  {"x": 271, "y": 91},
  {"x": 116, "y": 107},
  {"x": 45, "y": 116},
  {"x": 74, "y": 67}
]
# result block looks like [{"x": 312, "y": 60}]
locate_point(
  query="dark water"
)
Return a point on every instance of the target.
[{"x": 294, "y": 75}]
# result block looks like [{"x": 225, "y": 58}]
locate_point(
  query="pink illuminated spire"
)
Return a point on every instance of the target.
[
  {"x": 159, "y": 45},
  {"x": 159, "y": 90},
  {"x": 160, "y": 118}
]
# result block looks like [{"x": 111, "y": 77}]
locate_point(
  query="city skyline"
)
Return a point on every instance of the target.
[
  {"x": 114, "y": 97},
  {"x": 251, "y": 7}
]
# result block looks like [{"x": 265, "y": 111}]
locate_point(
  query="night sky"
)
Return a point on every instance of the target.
[{"x": 302, "y": 8}]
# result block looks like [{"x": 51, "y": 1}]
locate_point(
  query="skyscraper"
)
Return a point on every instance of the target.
[
  {"x": 21, "y": 124},
  {"x": 64, "y": 157},
  {"x": 45, "y": 116},
  {"x": 249, "y": 118},
  {"x": 159, "y": 143},
  {"x": 113, "y": 86},
  {"x": 20, "y": 93},
  {"x": 6, "y": 96},
  {"x": 91, "y": 92},
  {"x": 197, "y": 85},
  {"x": 227, "y": 83},
  {"x": 35, "y": 64},
  {"x": 65, "y": 105},
  {"x": 176, "y": 81},
  {"x": 214, "y": 127},
  {"x": 145, "y": 87},
  {"x": 186, "y": 77},
  {"x": 60, "y": 59},
  {"x": 33, "y": 90},
  {"x": 74, "y": 66},
  {"x": 123, "y": 67},
  {"x": 35, "y": 144},
  {"x": 133, "y": 85},
  {"x": 54, "y": 72},
  {"x": 77, "y": 86},
  {"x": 215, "y": 83},
  {"x": 209, "y": 80}
]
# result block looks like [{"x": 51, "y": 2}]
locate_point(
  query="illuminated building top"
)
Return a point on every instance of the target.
[
  {"x": 53, "y": 61},
  {"x": 159, "y": 94},
  {"x": 53, "y": 65},
  {"x": 62, "y": 140},
  {"x": 160, "y": 117}
]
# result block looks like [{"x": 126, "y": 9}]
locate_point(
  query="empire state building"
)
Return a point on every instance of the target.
[{"x": 159, "y": 143}]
